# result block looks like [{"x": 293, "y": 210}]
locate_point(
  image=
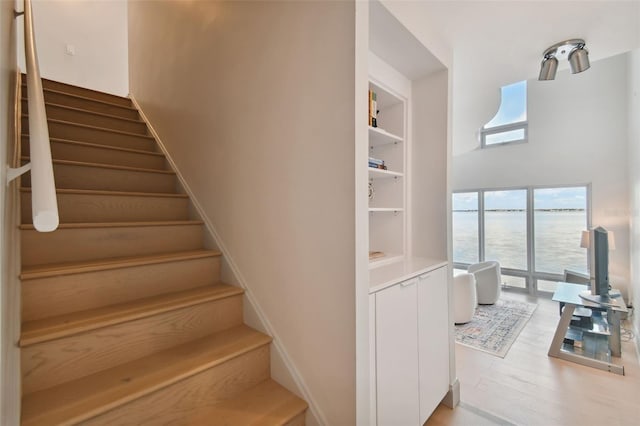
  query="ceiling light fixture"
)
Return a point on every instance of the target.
[{"x": 574, "y": 50}]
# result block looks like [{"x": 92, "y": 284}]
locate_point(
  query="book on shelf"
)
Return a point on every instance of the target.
[
  {"x": 377, "y": 166},
  {"x": 373, "y": 109},
  {"x": 376, "y": 163}
]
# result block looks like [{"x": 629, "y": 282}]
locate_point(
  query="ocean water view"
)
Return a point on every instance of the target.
[{"x": 556, "y": 237}]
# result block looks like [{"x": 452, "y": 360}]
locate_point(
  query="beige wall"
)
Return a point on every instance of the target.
[
  {"x": 255, "y": 103},
  {"x": 9, "y": 301}
]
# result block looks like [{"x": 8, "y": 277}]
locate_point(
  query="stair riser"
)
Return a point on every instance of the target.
[
  {"x": 298, "y": 420},
  {"x": 175, "y": 404},
  {"x": 51, "y": 296},
  {"x": 80, "y": 91},
  {"x": 73, "y": 132},
  {"x": 77, "y": 208},
  {"x": 76, "y": 116},
  {"x": 83, "y": 244},
  {"x": 50, "y": 363},
  {"x": 91, "y": 154},
  {"x": 90, "y": 105},
  {"x": 69, "y": 176}
]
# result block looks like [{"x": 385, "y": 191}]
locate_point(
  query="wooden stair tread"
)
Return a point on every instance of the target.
[
  {"x": 115, "y": 117},
  {"x": 43, "y": 330},
  {"x": 108, "y": 166},
  {"x": 29, "y": 227},
  {"x": 118, "y": 193},
  {"x": 81, "y": 399},
  {"x": 81, "y": 90},
  {"x": 101, "y": 129},
  {"x": 266, "y": 404},
  {"x": 97, "y": 145},
  {"x": 87, "y": 98},
  {"x": 42, "y": 271}
]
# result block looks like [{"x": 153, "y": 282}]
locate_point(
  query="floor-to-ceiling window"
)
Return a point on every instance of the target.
[
  {"x": 559, "y": 217},
  {"x": 466, "y": 238},
  {"x": 533, "y": 232}
]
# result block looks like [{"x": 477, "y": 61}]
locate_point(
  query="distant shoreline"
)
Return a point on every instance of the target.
[{"x": 521, "y": 210}]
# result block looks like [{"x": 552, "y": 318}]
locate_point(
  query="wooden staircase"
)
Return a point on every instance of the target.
[{"x": 124, "y": 318}]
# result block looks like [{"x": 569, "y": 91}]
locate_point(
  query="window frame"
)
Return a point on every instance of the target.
[
  {"x": 484, "y": 132},
  {"x": 530, "y": 275}
]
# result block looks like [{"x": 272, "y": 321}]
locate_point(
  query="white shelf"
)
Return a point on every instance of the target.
[
  {"x": 381, "y": 174},
  {"x": 386, "y": 210},
  {"x": 386, "y": 259},
  {"x": 378, "y": 136}
]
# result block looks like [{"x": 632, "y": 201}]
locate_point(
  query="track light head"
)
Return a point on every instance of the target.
[
  {"x": 579, "y": 60},
  {"x": 574, "y": 50},
  {"x": 548, "y": 68}
]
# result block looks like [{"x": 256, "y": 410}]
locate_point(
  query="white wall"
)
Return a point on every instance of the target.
[
  {"x": 634, "y": 179},
  {"x": 429, "y": 166},
  {"x": 97, "y": 29},
  {"x": 577, "y": 135},
  {"x": 255, "y": 103}
]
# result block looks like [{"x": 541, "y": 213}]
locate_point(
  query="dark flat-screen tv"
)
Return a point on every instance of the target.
[{"x": 599, "y": 262}]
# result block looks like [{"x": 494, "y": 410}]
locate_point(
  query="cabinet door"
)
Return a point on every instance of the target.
[
  {"x": 433, "y": 340},
  {"x": 397, "y": 355}
]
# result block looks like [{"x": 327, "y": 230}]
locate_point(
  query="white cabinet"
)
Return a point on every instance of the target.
[
  {"x": 397, "y": 354},
  {"x": 411, "y": 349},
  {"x": 433, "y": 340}
]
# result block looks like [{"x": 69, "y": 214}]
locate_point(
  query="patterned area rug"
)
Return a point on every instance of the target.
[{"x": 494, "y": 328}]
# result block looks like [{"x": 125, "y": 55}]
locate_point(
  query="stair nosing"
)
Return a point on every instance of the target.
[
  {"x": 107, "y": 166},
  {"x": 81, "y": 225},
  {"x": 98, "y": 318},
  {"x": 100, "y": 129},
  {"x": 69, "y": 268},
  {"x": 100, "y": 146},
  {"x": 86, "y": 98},
  {"x": 116, "y": 117},
  {"x": 114, "y": 193},
  {"x": 125, "y": 396}
]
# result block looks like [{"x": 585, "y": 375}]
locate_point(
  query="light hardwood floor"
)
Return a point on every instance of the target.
[{"x": 529, "y": 388}]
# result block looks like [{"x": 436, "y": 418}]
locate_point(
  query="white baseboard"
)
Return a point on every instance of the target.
[{"x": 302, "y": 389}]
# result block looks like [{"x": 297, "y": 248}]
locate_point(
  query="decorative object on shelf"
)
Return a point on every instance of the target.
[
  {"x": 494, "y": 328},
  {"x": 574, "y": 50},
  {"x": 372, "y": 191},
  {"x": 375, "y": 255}
]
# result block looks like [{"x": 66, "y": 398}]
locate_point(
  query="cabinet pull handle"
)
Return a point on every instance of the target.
[
  {"x": 424, "y": 277},
  {"x": 408, "y": 283}
]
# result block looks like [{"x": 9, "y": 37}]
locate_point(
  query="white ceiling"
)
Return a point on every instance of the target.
[{"x": 506, "y": 38}]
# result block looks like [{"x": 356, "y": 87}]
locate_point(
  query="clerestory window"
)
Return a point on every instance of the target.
[{"x": 510, "y": 122}]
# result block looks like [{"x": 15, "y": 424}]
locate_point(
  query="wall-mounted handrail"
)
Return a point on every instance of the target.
[{"x": 44, "y": 204}]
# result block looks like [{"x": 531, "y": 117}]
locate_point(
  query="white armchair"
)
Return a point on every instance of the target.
[
  {"x": 465, "y": 299},
  {"x": 488, "y": 281}
]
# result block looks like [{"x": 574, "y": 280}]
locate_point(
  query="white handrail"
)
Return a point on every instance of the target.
[{"x": 44, "y": 204}]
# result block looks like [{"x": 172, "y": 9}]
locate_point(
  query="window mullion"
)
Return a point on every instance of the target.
[
  {"x": 481, "y": 242},
  {"x": 531, "y": 245}
]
